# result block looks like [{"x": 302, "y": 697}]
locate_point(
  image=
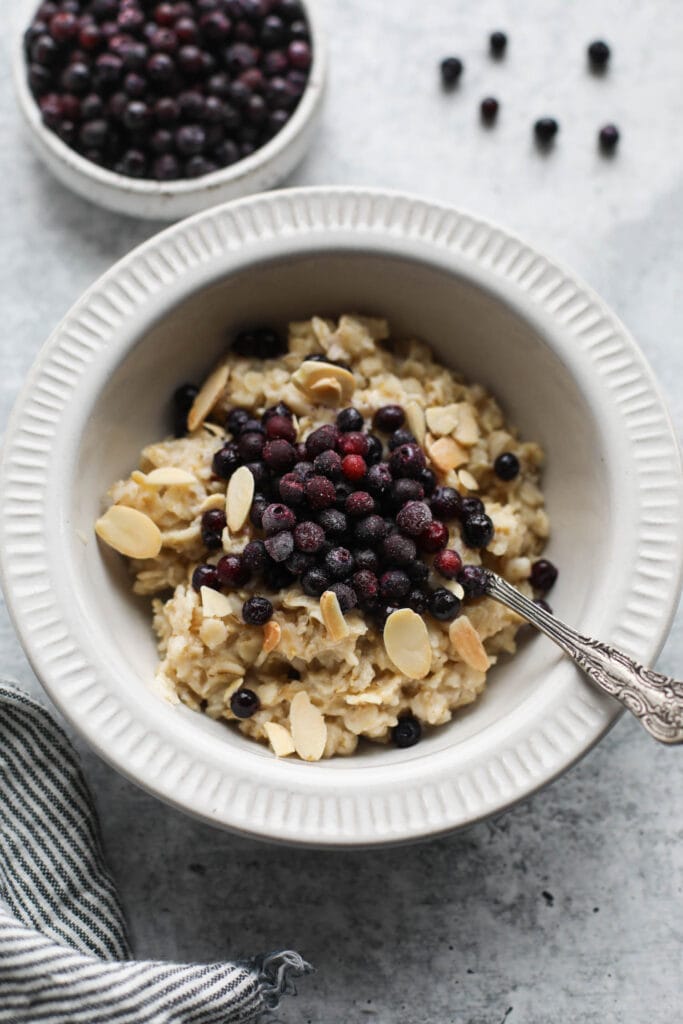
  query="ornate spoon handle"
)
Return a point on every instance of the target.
[{"x": 653, "y": 698}]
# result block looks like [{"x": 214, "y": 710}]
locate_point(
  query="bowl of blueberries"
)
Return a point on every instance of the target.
[{"x": 159, "y": 110}]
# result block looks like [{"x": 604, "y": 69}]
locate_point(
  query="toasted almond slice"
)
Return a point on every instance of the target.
[
  {"x": 467, "y": 480},
  {"x": 129, "y": 532},
  {"x": 467, "y": 644},
  {"x": 170, "y": 476},
  {"x": 212, "y": 501},
  {"x": 215, "y": 429},
  {"x": 138, "y": 477},
  {"x": 239, "y": 497},
  {"x": 280, "y": 739},
  {"x": 326, "y": 391},
  {"x": 310, "y": 373},
  {"x": 209, "y": 393},
  {"x": 272, "y": 634},
  {"x": 214, "y": 603},
  {"x": 467, "y": 430},
  {"x": 309, "y": 732},
  {"x": 407, "y": 643},
  {"x": 455, "y": 588},
  {"x": 415, "y": 418},
  {"x": 333, "y": 617},
  {"x": 225, "y": 540},
  {"x": 443, "y": 419},
  {"x": 447, "y": 454},
  {"x": 322, "y": 330}
]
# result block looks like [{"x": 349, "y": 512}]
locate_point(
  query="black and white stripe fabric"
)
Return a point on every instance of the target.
[{"x": 64, "y": 953}]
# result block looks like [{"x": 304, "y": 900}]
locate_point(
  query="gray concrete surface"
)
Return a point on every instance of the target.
[{"x": 569, "y": 906}]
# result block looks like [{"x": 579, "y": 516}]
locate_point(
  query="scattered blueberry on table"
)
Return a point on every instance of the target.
[
  {"x": 498, "y": 42},
  {"x": 608, "y": 137},
  {"x": 545, "y": 130},
  {"x": 489, "y": 107},
  {"x": 598, "y": 55},
  {"x": 169, "y": 90},
  {"x": 451, "y": 70}
]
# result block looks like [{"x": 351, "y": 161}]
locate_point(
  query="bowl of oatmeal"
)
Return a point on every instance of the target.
[{"x": 251, "y": 479}]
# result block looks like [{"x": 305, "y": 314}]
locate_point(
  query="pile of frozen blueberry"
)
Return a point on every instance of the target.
[
  {"x": 545, "y": 128},
  {"x": 167, "y": 90},
  {"x": 352, "y": 508}
]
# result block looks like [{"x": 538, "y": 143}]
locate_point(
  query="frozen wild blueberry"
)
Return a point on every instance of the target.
[
  {"x": 339, "y": 563},
  {"x": 280, "y": 546},
  {"x": 414, "y": 518},
  {"x": 389, "y": 418},
  {"x": 418, "y": 572},
  {"x": 545, "y": 130},
  {"x": 292, "y": 490},
  {"x": 315, "y": 582},
  {"x": 407, "y": 732},
  {"x": 333, "y": 521},
  {"x": 308, "y": 537},
  {"x": 321, "y": 440},
  {"x": 448, "y": 563},
  {"x": 320, "y": 492},
  {"x": 244, "y": 703},
  {"x": 236, "y": 420},
  {"x": 365, "y": 584},
  {"x": 231, "y": 571},
  {"x": 477, "y": 530},
  {"x": 277, "y": 517},
  {"x": 506, "y": 466},
  {"x": 598, "y": 55},
  {"x": 256, "y": 611},
  {"x": 498, "y": 42},
  {"x": 407, "y": 460},
  {"x": 346, "y": 596},
  {"x": 405, "y": 490},
  {"x": 255, "y": 557},
  {"x": 375, "y": 450},
  {"x": 443, "y": 605},
  {"x": 360, "y": 503},
  {"x": 226, "y": 460},
  {"x": 488, "y": 109},
  {"x": 183, "y": 399},
  {"x": 428, "y": 480},
  {"x": 276, "y": 576},
  {"x": 278, "y": 455},
  {"x": 258, "y": 506},
  {"x": 418, "y": 601},
  {"x": 472, "y": 579},
  {"x": 394, "y": 585},
  {"x": 451, "y": 69},
  {"x": 299, "y": 562},
  {"x": 349, "y": 420},
  {"x": 370, "y": 530},
  {"x": 213, "y": 524},
  {"x": 281, "y": 409},
  {"x": 205, "y": 576},
  {"x": 354, "y": 467},
  {"x": 445, "y": 503},
  {"x": 398, "y": 550},
  {"x": 608, "y": 137},
  {"x": 366, "y": 558},
  {"x": 399, "y": 437},
  {"x": 303, "y": 470},
  {"x": 468, "y": 506},
  {"x": 250, "y": 445},
  {"x": 280, "y": 427},
  {"x": 329, "y": 464},
  {"x": 352, "y": 443},
  {"x": 379, "y": 479},
  {"x": 543, "y": 575}
]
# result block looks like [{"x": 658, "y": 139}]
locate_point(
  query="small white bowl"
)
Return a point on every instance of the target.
[
  {"x": 155, "y": 200},
  {"x": 565, "y": 369}
]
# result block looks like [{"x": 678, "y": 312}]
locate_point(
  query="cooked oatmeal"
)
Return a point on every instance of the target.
[{"x": 312, "y": 672}]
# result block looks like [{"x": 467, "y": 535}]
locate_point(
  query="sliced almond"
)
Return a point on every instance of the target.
[
  {"x": 467, "y": 480},
  {"x": 447, "y": 454},
  {"x": 129, "y": 532},
  {"x": 238, "y": 499},
  {"x": 467, "y": 644},
  {"x": 170, "y": 476},
  {"x": 407, "y": 643},
  {"x": 225, "y": 540},
  {"x": 326, "y": 391},
  {"x": 323, "y": 331},
  {"x": 467, "y": 430},
  {"x": 214, "y": 429},
  {"x": 280, "y": 739},
  {"x": 214, "y": 603},
  {"x": 209, "y": 393},
  {"x": 443, "y": 419},
  {"x": 212, "y": 501},
  {"x": 309, "y": 732},
  {"x": 415, "y": 419},
  {"x": 311, "y": 373},
  {"x": 333, "y": 617},
  {"x": 272, "y": 634}
]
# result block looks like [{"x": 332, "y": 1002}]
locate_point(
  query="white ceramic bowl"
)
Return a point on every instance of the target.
[
  {"x": 564, "y": 368},
  {"x": 155, "y": 200}
]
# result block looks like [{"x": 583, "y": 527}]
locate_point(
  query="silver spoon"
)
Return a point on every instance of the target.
[{"x": 656, "y": 700}]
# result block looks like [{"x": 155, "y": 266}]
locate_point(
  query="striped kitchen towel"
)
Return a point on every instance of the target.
[{"x": 64, "y": 954}]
